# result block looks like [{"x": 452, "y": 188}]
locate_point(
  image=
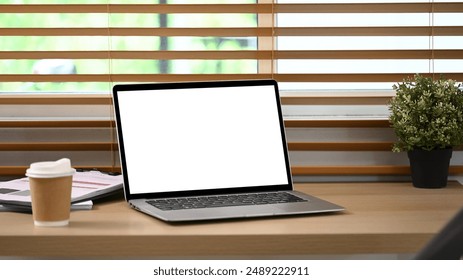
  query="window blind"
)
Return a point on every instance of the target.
[
  {"x": 61, "y": 59},
  {"x": 290, "y": 37}
]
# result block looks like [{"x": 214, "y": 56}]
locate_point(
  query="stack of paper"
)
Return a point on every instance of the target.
[{"x": 86, "y": 186}]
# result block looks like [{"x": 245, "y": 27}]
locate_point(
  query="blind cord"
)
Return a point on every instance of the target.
[
  {"x": 273, "y": 62},
  {"x": 113, "y": 139},
  {"x": 431, "y": 40}
]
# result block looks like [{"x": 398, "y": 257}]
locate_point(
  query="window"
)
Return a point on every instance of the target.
[
  {"x": 83, "y": 46},
  {"x": 77, "y": 48},
  {"x": 368, "y": 46},
  {"x": 59, "y": 59}
]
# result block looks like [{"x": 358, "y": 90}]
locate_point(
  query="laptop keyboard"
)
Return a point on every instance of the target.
[{"x": 167, "y": 204}]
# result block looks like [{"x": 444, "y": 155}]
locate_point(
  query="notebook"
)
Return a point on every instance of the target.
[{"x": 196, "y": 151}]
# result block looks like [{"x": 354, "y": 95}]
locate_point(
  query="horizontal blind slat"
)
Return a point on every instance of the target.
[
  {"x": 311, "y": 98},
  {"x": 238, "y": 8},
  {"x": 223, "y": 54},
  {"x": 138, "y": 8},
  {"x": 106, "y": 146},
  {"x": 142, "y": 31},
  {"x": 238, "y": 54},
  {"x": 56, "y": 124},
  {"x": 58, "y": 146},
  {"x": 361, "y": 170},
  {"x": 56, "y": 99},
  {"x": 335, "y": 77},
  {"x": 289, "y": 123},
  {"x": 371, "y": 31},
  {"x": 127, "y": 77},
  {"x": 327, "y": 98},
  {"x": 340, "y": 146},
  {"x": 296, "y": 170},
  {"x": 370, "y": 54},
  {"x": 337, "y": 123},
  {"x": 369, "y": 8},
  {"x": 135, "y": 32},
  {"x": 358, "y": 77},
  {"x": 21, "y": 170},
  {"x": 240, "y": 32}
]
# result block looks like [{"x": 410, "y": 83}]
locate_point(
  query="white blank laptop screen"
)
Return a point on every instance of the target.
[{"x": 202, "y": 138}]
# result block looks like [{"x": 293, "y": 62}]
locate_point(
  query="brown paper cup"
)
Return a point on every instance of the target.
[
  {"x": 51, "y": 186},
  {"x": 51, "y": 200}
]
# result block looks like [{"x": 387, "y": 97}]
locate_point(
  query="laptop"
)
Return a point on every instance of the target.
[{"x": 195, "y": 151}]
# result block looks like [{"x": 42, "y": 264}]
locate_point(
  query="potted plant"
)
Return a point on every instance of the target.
[{"x": 427, "y": 117}]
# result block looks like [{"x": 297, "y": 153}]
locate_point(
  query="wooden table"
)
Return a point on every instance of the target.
[{"x": 381, "y": 218}]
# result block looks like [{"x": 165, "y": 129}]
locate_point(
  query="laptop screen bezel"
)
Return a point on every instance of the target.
[{"x": 204, "y": 84}]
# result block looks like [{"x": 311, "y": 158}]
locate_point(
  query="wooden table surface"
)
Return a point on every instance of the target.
[{"x": 380, "y": 218}]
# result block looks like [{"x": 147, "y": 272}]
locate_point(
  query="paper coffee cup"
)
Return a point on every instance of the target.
[{"x": 51, "y": 185}]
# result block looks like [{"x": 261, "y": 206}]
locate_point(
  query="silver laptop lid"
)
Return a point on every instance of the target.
[{"x": 198, "y": 138}]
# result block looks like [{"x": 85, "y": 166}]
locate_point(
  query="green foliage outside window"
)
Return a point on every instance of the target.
[{"x": 122, "y": 66}]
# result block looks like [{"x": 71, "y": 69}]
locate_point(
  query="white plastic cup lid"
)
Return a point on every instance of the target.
[{"x": 51, "y": 169}]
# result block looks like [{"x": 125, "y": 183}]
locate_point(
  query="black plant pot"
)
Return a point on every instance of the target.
[{"x": 430, "y": 169}]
